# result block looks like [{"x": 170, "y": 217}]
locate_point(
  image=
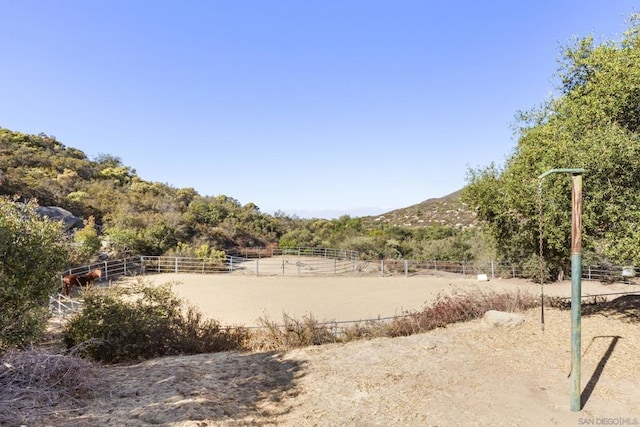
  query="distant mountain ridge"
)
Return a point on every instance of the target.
[{"x": 443, "y": 211}]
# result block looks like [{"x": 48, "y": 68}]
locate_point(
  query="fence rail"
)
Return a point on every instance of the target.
[
  {"x": 328, "y": 262},
  {"x": 63, "y": 306},
  {"x": 340, "y": 254},
  {"x": 112, "y": 268},
  {"x": 313, "y": 262}
]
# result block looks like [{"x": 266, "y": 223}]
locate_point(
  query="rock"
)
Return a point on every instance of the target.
[
  {"x": 56, "y": 213},
  {"x": 502, "y": 319}
]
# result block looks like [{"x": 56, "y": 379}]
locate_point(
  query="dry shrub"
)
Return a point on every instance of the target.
[
  {"x": 447, "y": 309},
  {"x": 292, "y": 333},
  {"x": 565, "y": 303},
  {"x": 193, "y": 334},
  {"x": 363, "y": 331},
  {"x": 34, "y": 383},
  {"x": 557, "y": 302},
  {"x": 456, "y": 308}
]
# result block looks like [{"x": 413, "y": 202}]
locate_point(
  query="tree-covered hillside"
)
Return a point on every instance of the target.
[{"x": 131, "y": 215}]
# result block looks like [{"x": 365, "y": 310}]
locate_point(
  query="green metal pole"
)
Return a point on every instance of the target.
[
  {"x": 576, "y": 289},
  {"x": 576, "y": 280}
]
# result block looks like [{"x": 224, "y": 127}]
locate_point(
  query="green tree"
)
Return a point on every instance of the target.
[
  {"x": 87, "y": 240},
  {"x": 32, "y": 254},
  {"x": 594, "y": 124}
]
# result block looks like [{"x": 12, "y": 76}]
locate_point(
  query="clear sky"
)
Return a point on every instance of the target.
[{"x": 312, "y": 107}]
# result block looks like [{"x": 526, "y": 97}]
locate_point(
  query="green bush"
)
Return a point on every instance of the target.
[
  {"x": 32, "y": 252},
  {"x": 124, "y": 324},
  {"x": 87, "y": 242}
]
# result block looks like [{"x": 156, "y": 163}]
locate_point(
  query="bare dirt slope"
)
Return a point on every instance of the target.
[{"x": 466, "y": 374}]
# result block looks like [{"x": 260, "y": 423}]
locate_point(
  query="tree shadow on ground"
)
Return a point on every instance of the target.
[
  {"x": 626, "y": 308},
  {"x": 233, "y": 388}
]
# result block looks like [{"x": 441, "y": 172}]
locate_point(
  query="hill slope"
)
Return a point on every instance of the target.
[{"x": 448, "y": 210}]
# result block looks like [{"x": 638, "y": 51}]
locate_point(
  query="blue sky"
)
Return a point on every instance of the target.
[{"x": 314, "y": 108}]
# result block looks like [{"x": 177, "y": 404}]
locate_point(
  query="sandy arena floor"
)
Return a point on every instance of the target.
[{"x": 242, "y": 299}]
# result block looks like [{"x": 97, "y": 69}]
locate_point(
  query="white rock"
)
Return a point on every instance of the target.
[{"x": 497, "y": 318}]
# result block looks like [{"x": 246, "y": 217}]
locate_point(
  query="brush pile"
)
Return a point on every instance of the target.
[{"x": 35, "y": 384}]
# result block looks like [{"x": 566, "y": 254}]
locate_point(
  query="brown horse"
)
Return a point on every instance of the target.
[{"x": 84, "y": 280}]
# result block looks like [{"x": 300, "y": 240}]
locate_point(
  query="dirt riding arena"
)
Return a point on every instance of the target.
[
  {"x": 467, "y": 374},
  {"x": 242, "y": 299}
]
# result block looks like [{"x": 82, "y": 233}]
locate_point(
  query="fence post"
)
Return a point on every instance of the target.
[
  {"x": 106, "y": 270},
  {"x": 176, "y": 265},
  {"x": 492, "y": 271},
  {"x": 257, "y": 267},
  {"x": 435, "y": 265},
  {"x": 382, "y": 267},
  {"x": 406, "y": 268}
]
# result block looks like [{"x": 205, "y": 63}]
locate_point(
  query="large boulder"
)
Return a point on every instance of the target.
[
  {"x": 56, "y": 213},
  {"x": 497, "y": 318}
]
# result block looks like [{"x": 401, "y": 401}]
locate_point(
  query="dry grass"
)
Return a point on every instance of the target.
[
  {"x": 447, "y": 309},
  {"x": 459, "y": 307},
  {"x": 292, "y": 333},
  {"x": 34, "y": 383}
]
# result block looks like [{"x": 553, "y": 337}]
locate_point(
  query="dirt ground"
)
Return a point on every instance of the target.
[
  {"x": 243, "y": 299},
  {"x": 466, "y": 374}
]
